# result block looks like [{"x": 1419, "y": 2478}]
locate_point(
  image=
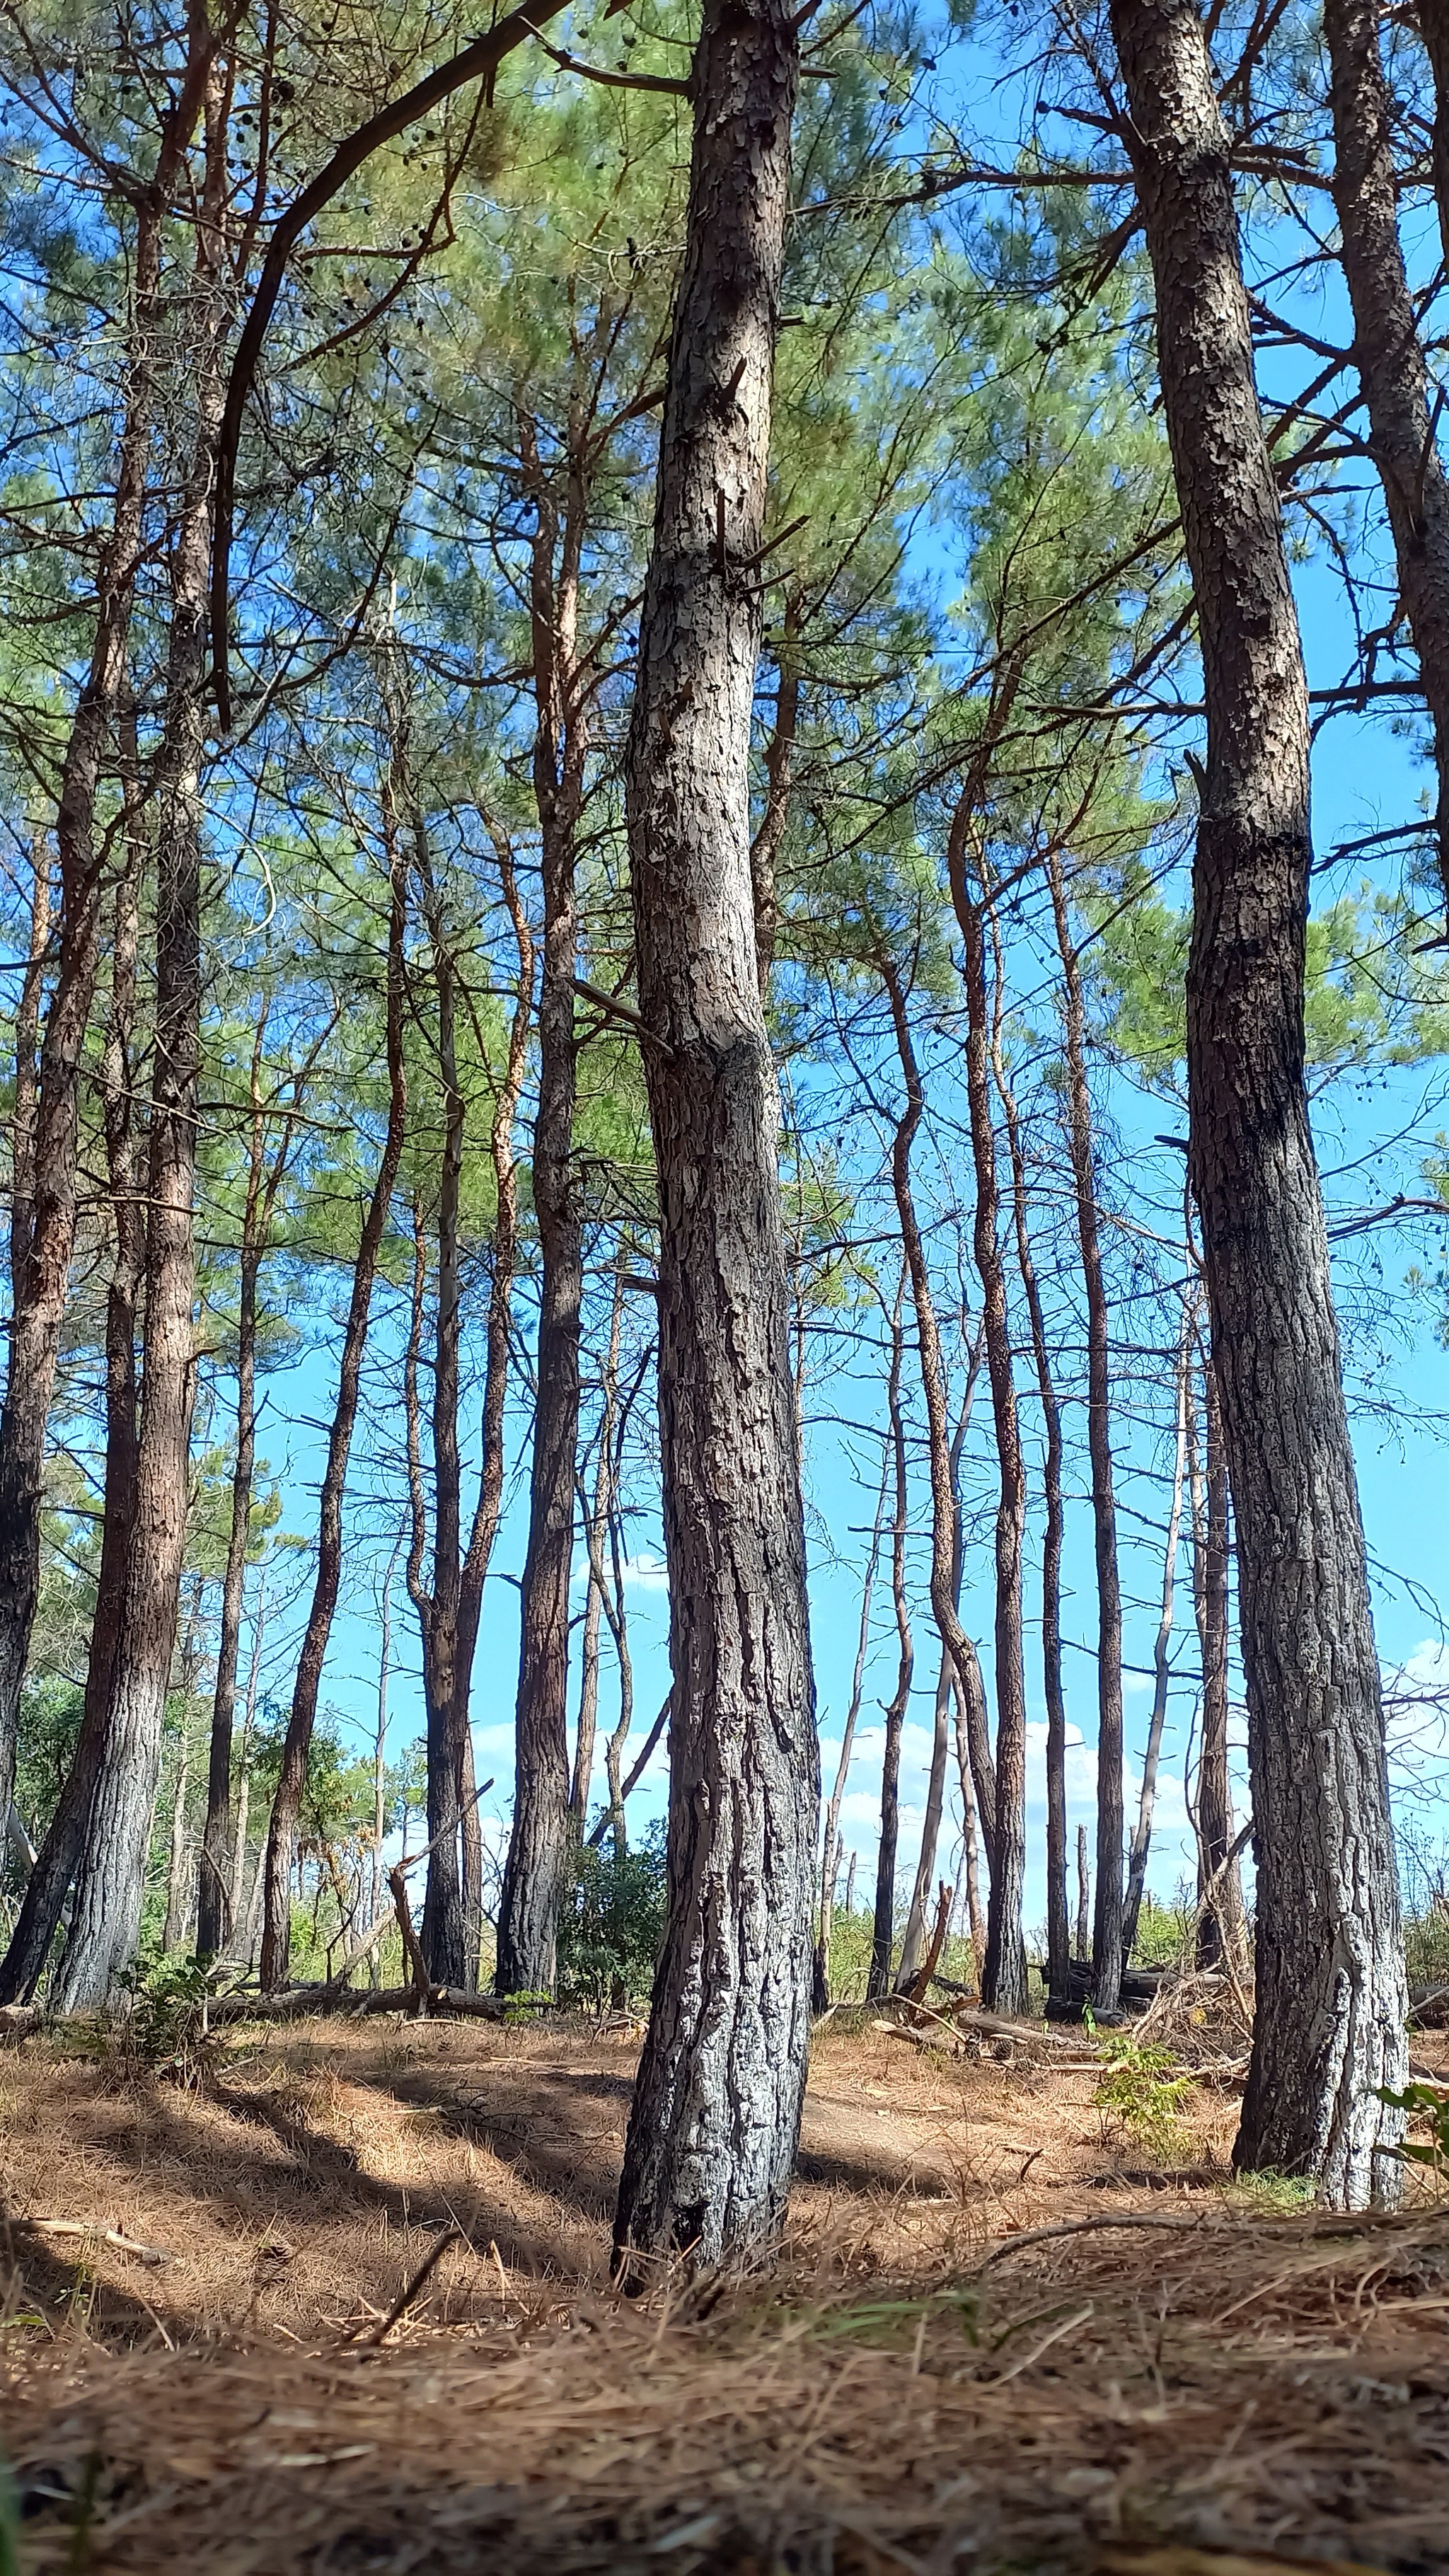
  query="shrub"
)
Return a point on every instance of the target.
[
  {"x": 1137, "y": 2093},
  {"x": 611, "y": 1923}
]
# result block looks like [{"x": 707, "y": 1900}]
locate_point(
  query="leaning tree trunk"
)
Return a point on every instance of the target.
[
  {"x": 1329, "y": 2024},
  {"x": 275, "y": 1873},
  {"x": 1389, "y": 354},
  {"x": 717, "y": 2103}
]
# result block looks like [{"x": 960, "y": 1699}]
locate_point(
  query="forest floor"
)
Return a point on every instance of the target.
[{"x": 996, "y": 2340}]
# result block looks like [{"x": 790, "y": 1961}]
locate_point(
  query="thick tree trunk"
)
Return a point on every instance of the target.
[
  {"x": 49, "y": 1880},
  {"x": 1107, "y": 1953},
  {"x": 1003, "y": 1976},
  {"x": 1329, "y": 2026},
  {"x": 716, "y": 2116},
  {"x": 1059, "y": 1946},
  {"x": 1389, "y": 354},
  {"x": 1161, "y": 1651},
  {"x": 40, "y": 1285},
  {"x": 276, "y": 1869},
  {"x": 111, "y": 1870},
  {"x": 883, "y": 1936}
]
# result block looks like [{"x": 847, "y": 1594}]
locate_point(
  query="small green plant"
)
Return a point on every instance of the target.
[
  {"x": 1432, "y": 2102},
  {"x": 1137, "y": 2092},
  {"x": 1277, "y": 2195},
  {"x": 612, "y": 1922},
  {"x": 160, "y": 2018}
]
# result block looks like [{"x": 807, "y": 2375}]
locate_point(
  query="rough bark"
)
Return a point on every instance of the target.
[
  {"x": 48, "y": 1882},
  {"x": 111, "y": 1869},
  {"x": 40, "y": 1292},
  {"x": 1389, "y": 354},
  {"x": 1331, "y": 1997},
  {"x": 779, "y": 766},
  {"x": 717, "y": 2102},
  {"x": 1107, "y": 1952},
  {"x": 538, "y": 1844},
  {"x": 1161, "y": 1650},
  {"x": 1434, "y": 28},
  {"x": 276, "y": 1870},
  {"x": 1003, "y": 1976}
]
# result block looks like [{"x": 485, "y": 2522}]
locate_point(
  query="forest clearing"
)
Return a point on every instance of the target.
[
  {"x": 903, "y": 2389},
  {"x": 724, "y": 1048}
]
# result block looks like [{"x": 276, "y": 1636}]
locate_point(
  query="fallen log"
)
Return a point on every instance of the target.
[{"x": 298, "y": 2003}]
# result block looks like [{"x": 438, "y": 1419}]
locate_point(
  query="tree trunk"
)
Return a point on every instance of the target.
[
  {"x": 918, "y": 1926},
  {"x": 884, "y": 1933},
  {"x": 237, "y": 1888},
  {"x": 717, "y": 2102},
  {"x": 538, "y": 1845},
  {"x": 443, "y": 1930},
  {"x": 48, "y": 1882},
  {"x": 938, "y": 1439},
  {"x": 27, "y": 1067},
  {"x": 1003, "y": 1979},
  {"x": 598, "y": 1527},
  {"x": 779, "y": 763},
  {"x": 1434, "y": 29},
  {"x": 213, "y": 1908},
  {"x": 173, "y": 1930},
  {"x": 1107, "y": 1953},
  {"x": 1059, "y": 1946},
  {"x": 830, "y": 1863},
  {"x": 276, "y": 1869},
  {"x": 975, "y": 1915},
  {"x": 40, "y": 1290},
  {"x": 1084, "y": 1896},
  {"x": 1220, "y": 1926},
  {"x": 111, "y": 1870},
  {"x": 1161, "y": 1666},
  {"x": 1389, "y": 355},
  {"x": 1331, "y": 1999}
]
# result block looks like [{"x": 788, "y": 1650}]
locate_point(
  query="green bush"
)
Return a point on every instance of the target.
[
  {"x": 1137, "y": 2093},
  {"x": 611, "y": 1923}
]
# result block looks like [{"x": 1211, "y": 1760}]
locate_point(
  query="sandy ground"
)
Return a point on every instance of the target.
[{"x": 928, "y": 2379}]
